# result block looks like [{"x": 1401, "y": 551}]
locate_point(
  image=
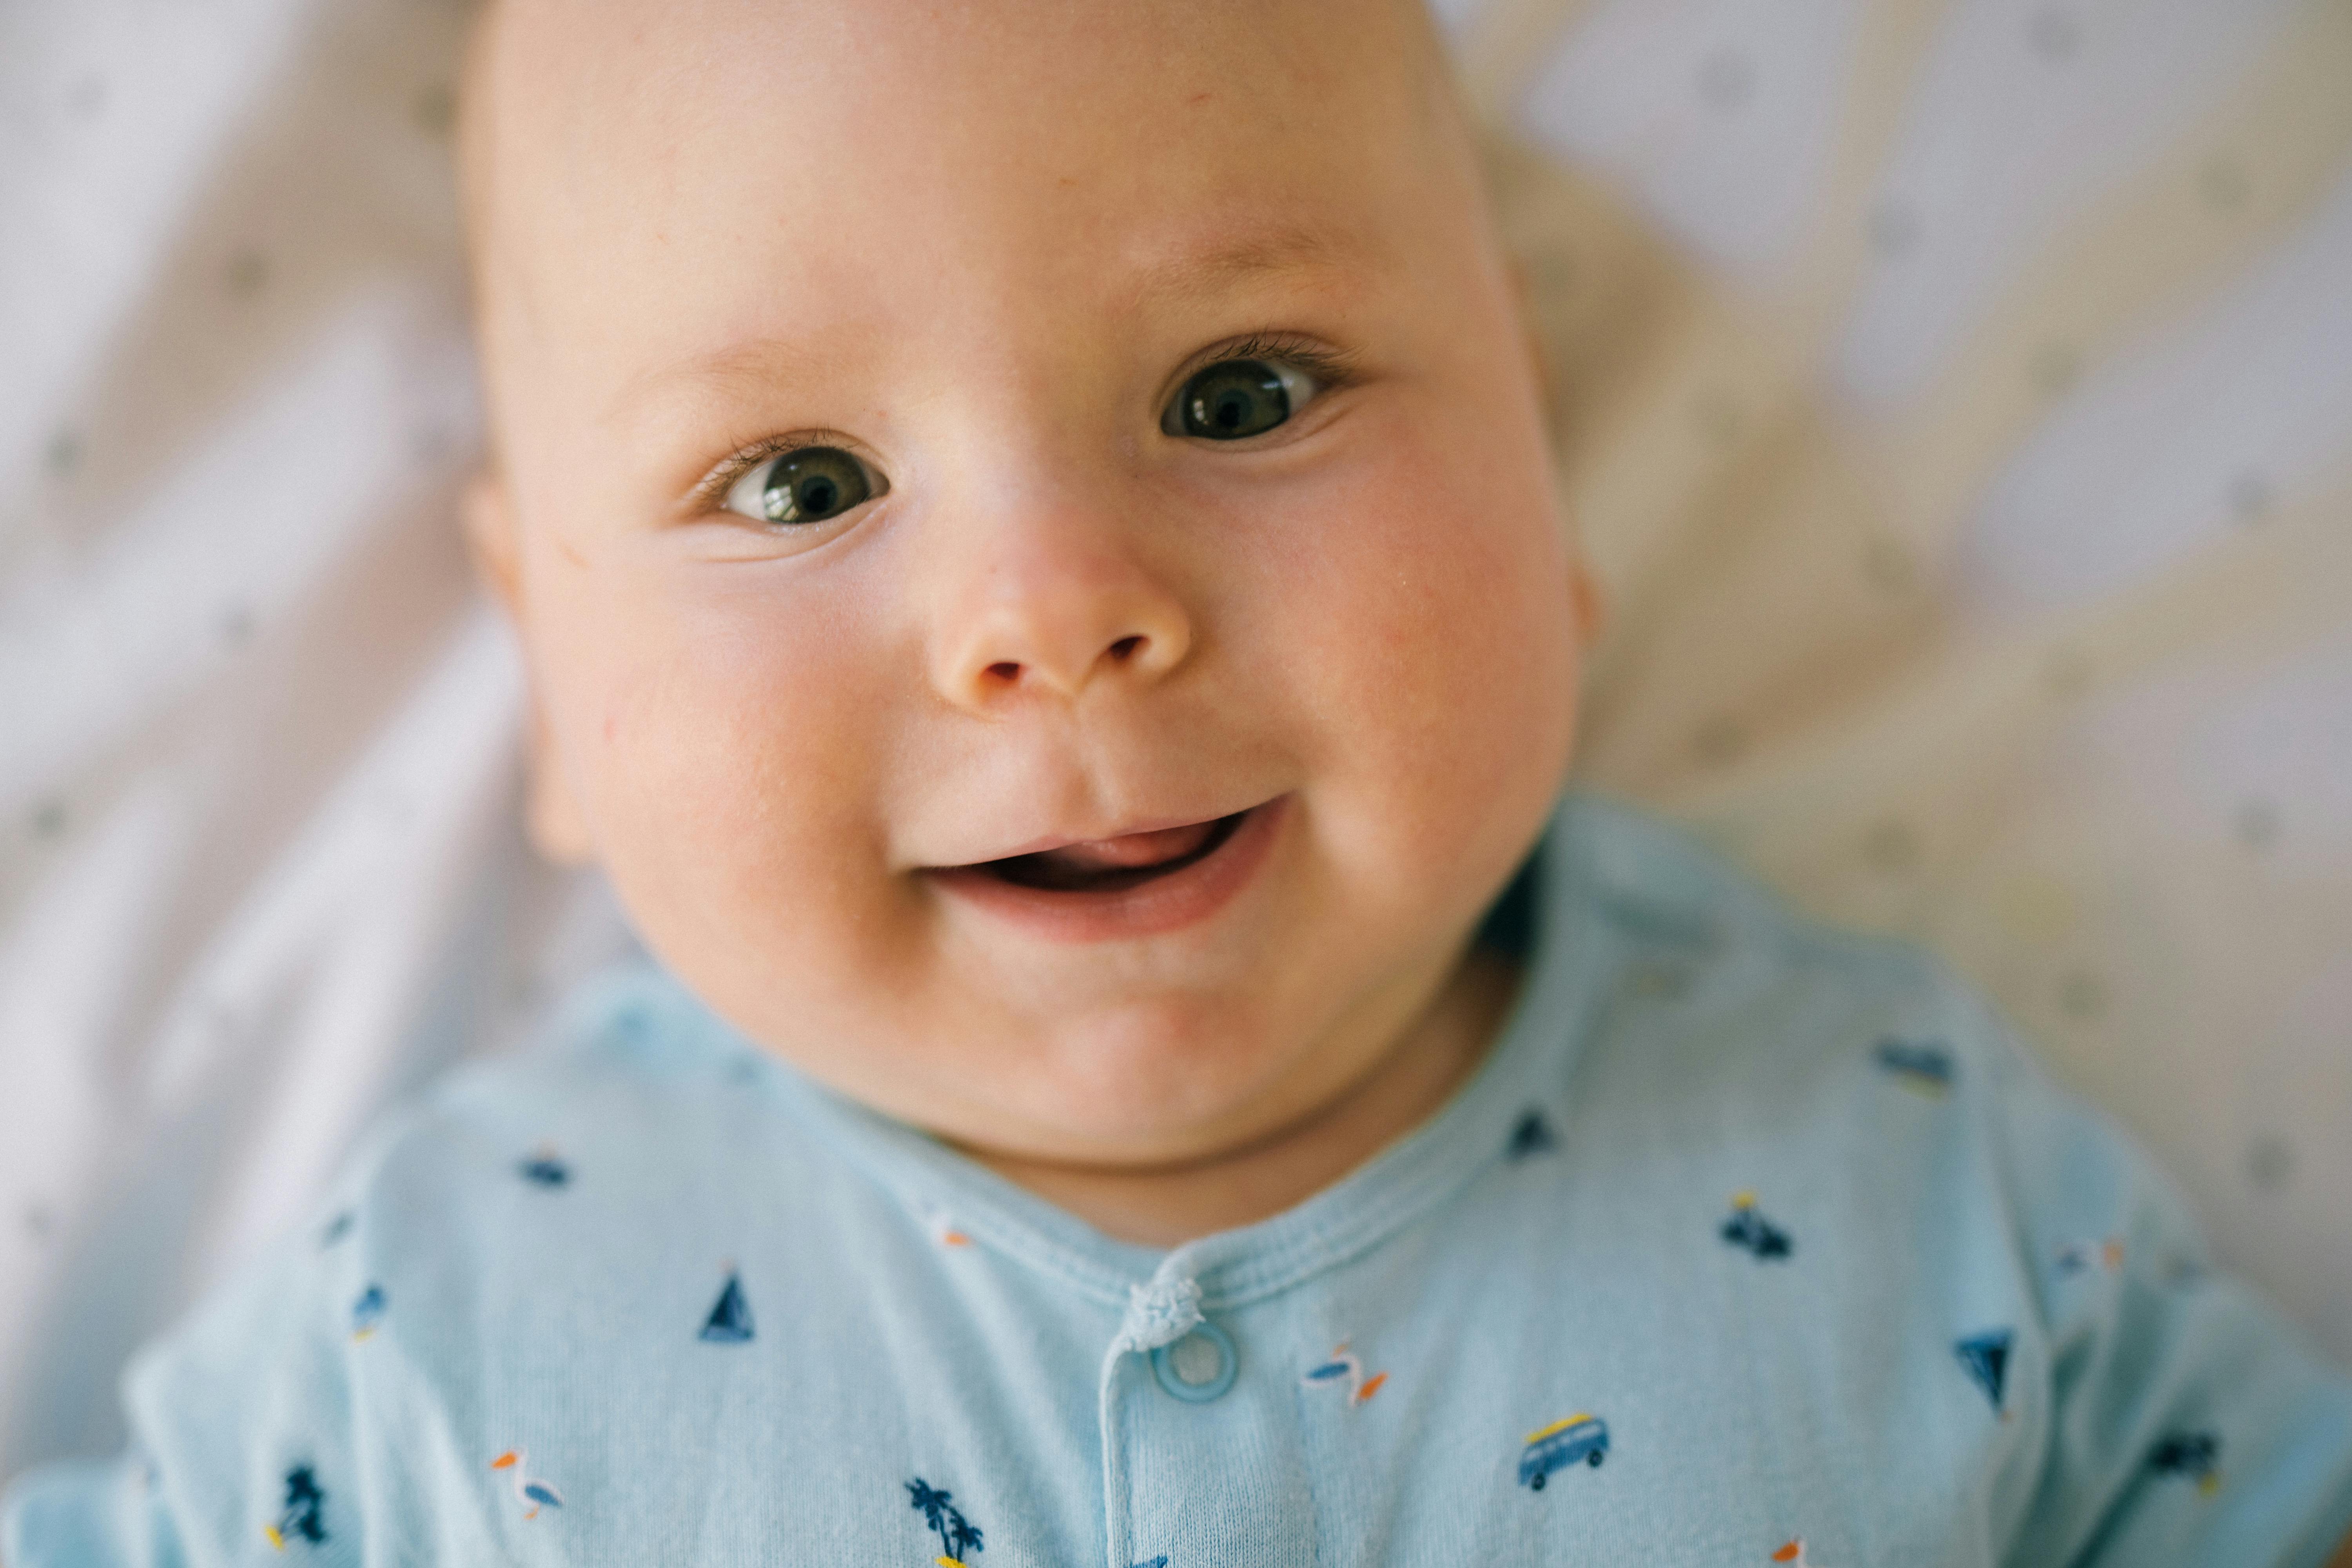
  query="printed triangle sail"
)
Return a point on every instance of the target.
[
  {"x": 1986, "y": 1358},
  {"x": 730, "y": 1316}
]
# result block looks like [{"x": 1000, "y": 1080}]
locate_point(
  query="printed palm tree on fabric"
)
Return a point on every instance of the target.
[
  {"x": 957, "y": 1534},
  {"x": 302, "y": 1518}
]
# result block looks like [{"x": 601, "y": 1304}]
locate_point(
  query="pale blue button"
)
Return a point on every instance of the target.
[{"x": 1200, "y": 1366}]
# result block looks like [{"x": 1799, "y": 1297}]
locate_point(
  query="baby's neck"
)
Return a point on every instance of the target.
[{"x": 1164, "y": 1205}]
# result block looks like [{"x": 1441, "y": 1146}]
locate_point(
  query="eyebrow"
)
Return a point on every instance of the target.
[
  {"x": 757, "y": 362},
  {"x": 1185, "y": 275},
  {"x": 1192, "y": 273}
]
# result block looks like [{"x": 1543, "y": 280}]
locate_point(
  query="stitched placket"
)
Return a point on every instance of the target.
[{"x": 1200, "y": 1455}]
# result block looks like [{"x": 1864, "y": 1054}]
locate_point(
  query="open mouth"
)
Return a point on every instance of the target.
[
  {"x": 1115, "y": 865},
  {"x": 1135, "y": 885}
]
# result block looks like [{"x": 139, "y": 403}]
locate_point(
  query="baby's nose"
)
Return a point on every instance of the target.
[{"x": 1053, "y": 615}]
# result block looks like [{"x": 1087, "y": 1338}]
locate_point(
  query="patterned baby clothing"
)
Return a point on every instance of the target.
[{"x": 1749, "y": 1243}]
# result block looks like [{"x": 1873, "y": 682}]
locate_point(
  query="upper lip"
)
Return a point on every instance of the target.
[{"x": 1046, "y": 842}]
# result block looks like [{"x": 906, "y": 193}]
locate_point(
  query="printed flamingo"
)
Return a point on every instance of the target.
[{"x": 537, "y": 1493}]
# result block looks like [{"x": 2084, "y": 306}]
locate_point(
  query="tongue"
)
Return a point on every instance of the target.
[{"x": 1127, "y": 851}]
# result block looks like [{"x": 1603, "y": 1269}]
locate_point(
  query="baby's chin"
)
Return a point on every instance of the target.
[
  {"x": 1157, "y": 1083},
  {"x": 1149, "y": 1083}
]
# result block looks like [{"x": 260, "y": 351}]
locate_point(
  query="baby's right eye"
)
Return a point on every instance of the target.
[{"x": 805, "y": 484}]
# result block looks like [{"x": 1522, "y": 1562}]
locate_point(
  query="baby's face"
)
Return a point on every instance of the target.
[{"x": 1033, "y": 532}]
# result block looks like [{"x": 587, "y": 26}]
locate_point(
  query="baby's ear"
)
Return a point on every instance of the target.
[
  {"x": 558, "y": 828},
  {"x": 490, "y": 538},
  {"x": 552, "y": 813},
  {"x": 1587, "y": 600},
  {"x": 1532, "y": 342}
]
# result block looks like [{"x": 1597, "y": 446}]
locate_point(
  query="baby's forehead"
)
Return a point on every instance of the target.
[
  {"x": 639, "y": 152},
  {"x": 629, "y": 66}
]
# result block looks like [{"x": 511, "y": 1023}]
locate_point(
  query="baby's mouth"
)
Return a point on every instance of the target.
[
  {"x": 1149, "y": 883},
  {"x": 1115, "y": 865}
]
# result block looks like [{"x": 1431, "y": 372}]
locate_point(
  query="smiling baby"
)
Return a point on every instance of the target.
[{"x": 1031, "y": 530}]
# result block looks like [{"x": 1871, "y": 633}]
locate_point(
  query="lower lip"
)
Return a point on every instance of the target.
[{"x": 1164, "y": 904}]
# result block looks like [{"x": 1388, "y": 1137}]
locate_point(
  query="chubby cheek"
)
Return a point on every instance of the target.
[
  {"x": 1433, "y": 637},
  {"x": 725, "y": 738}
]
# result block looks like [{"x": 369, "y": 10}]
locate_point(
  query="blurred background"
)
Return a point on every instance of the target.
[{"x": 1956, "y": 399}]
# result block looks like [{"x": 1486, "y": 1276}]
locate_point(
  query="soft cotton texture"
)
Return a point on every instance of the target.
[{"x": 1746, "y": 1233}]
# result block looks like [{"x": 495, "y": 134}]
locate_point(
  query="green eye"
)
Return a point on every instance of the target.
[
  {"x": 1238, "y": 398},
  {"x": 811, "y": 484}
]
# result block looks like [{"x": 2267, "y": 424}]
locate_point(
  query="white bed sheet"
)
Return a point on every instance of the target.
[{"x": 1958, "y": 402}]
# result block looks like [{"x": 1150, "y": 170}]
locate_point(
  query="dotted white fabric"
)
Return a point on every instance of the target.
[{"x": 1956, "y": 402}]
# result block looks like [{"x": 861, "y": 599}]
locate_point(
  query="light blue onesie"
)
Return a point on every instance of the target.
[{"x": 1750, "y": 1244}]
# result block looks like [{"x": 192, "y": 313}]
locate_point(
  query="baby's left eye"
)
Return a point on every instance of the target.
[
  {"x": 806, "y": 485},
  {"x": 1238, "y": 397}
]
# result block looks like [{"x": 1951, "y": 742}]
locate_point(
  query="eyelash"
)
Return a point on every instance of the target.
[
  {"x": 710, "y": 495},
  {"x": 1331, "y": 370}
]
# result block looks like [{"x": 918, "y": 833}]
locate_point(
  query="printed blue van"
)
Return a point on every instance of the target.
[{"x": 1560, "y": 1445}]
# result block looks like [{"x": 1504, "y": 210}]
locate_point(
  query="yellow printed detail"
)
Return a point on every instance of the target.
[
  {"x": 1558, "y": 1427},
  {"x": 271, "y": 1533}
]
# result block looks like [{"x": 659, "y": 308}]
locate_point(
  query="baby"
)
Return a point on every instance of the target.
[{"x": 1033, "y": 532}]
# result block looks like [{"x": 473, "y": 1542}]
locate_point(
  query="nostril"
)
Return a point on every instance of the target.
[
  {"x": 1004, "y": 669},
  {"x": 1124, "y": 648}
]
